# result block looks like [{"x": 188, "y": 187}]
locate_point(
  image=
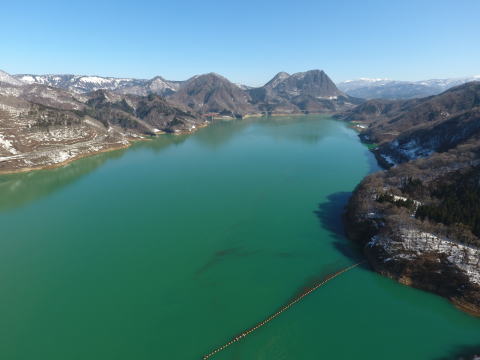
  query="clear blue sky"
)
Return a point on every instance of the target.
[{"x": 247, "y": 41}]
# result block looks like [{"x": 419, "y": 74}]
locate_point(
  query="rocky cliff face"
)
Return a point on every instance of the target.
[
  {"x": 310, "y": 91},
  {"x": 313, "y": 83},
  {"x": 426, "y": 261}
]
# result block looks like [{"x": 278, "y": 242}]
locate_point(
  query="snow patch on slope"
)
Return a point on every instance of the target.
[
  {"x": 7, "y": 145},
  {"x": 413, "y": 244},
  {"x": 8, "y": 79}
]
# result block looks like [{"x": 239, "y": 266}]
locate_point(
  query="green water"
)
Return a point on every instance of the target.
[{"x": 169, "y": 248}]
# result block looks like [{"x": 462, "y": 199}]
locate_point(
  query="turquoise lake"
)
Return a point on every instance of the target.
[{"x": 169, "y": 248}]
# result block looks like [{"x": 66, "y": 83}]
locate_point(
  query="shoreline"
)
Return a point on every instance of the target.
[
  {"x": 459, "y": 303},
  {"x": 66, "y": 162},
  {"x": 133, "y": 140},
  {"x": 465, "y": 307},
  {"x": 260, "y": 115},
  {"x": 355, "y": 233}
]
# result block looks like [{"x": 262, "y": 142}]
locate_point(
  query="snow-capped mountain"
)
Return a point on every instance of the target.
[
  {"x": 84, "y": 84},
  {"x": 243, "y": 86},
  {"x": 77, "y": 83},
  {"x": 393, "y": 89},
  {"x": 446, "y": 84},
  {"x": 350, "y": 85},
  {"x": 157, "y": 85},
  {"x": 8, "y": 79},
  {"x": 43, "y": 126}
]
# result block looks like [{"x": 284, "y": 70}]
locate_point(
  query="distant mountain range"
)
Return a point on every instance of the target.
[
  {"x": 311, "y": 91},
  {"x": 114, "y": 110},
  {"x": 82, "y": 84},
  {"x": 49, "y": 119},
  {"x": 282, "y": 86},
  {"x": 393, "y": 89}
]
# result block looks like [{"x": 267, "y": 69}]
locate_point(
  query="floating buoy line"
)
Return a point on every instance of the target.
[{"x": 281, "y": 310}]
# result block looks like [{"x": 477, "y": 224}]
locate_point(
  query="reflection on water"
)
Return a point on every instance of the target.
[
  {"x": 278, "y": 127},
  {"x": 131, "y": 256},
  {"x": 220, "y": 132},
  {"x": 162, "y": 142},
  {"x": 19, "y": 189},
  {"x": 310, "y": 131}
]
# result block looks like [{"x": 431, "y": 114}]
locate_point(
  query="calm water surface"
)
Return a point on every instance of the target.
[{"x": 169, "y": 248}]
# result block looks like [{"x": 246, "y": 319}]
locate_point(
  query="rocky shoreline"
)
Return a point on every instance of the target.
[
  {"x": 423, "y": 254},
  {"x": 63, "y": 163},
  {"x": 418, "y": 220}
]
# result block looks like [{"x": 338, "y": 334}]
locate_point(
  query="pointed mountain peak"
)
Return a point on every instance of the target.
[
  {"x": 315, "y": 83},
  {"x": 282, "y": 75},
  {"x": 157, "y": 78},
  {"x": 210, "y": 79}
]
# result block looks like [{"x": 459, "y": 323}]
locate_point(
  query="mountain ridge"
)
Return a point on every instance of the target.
[
  {"x": 58, "y": 118},
  {"x": 417, "y": 220},
  {"x": 43, "y": 126},
  {"x": 87, "y": 83}
]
